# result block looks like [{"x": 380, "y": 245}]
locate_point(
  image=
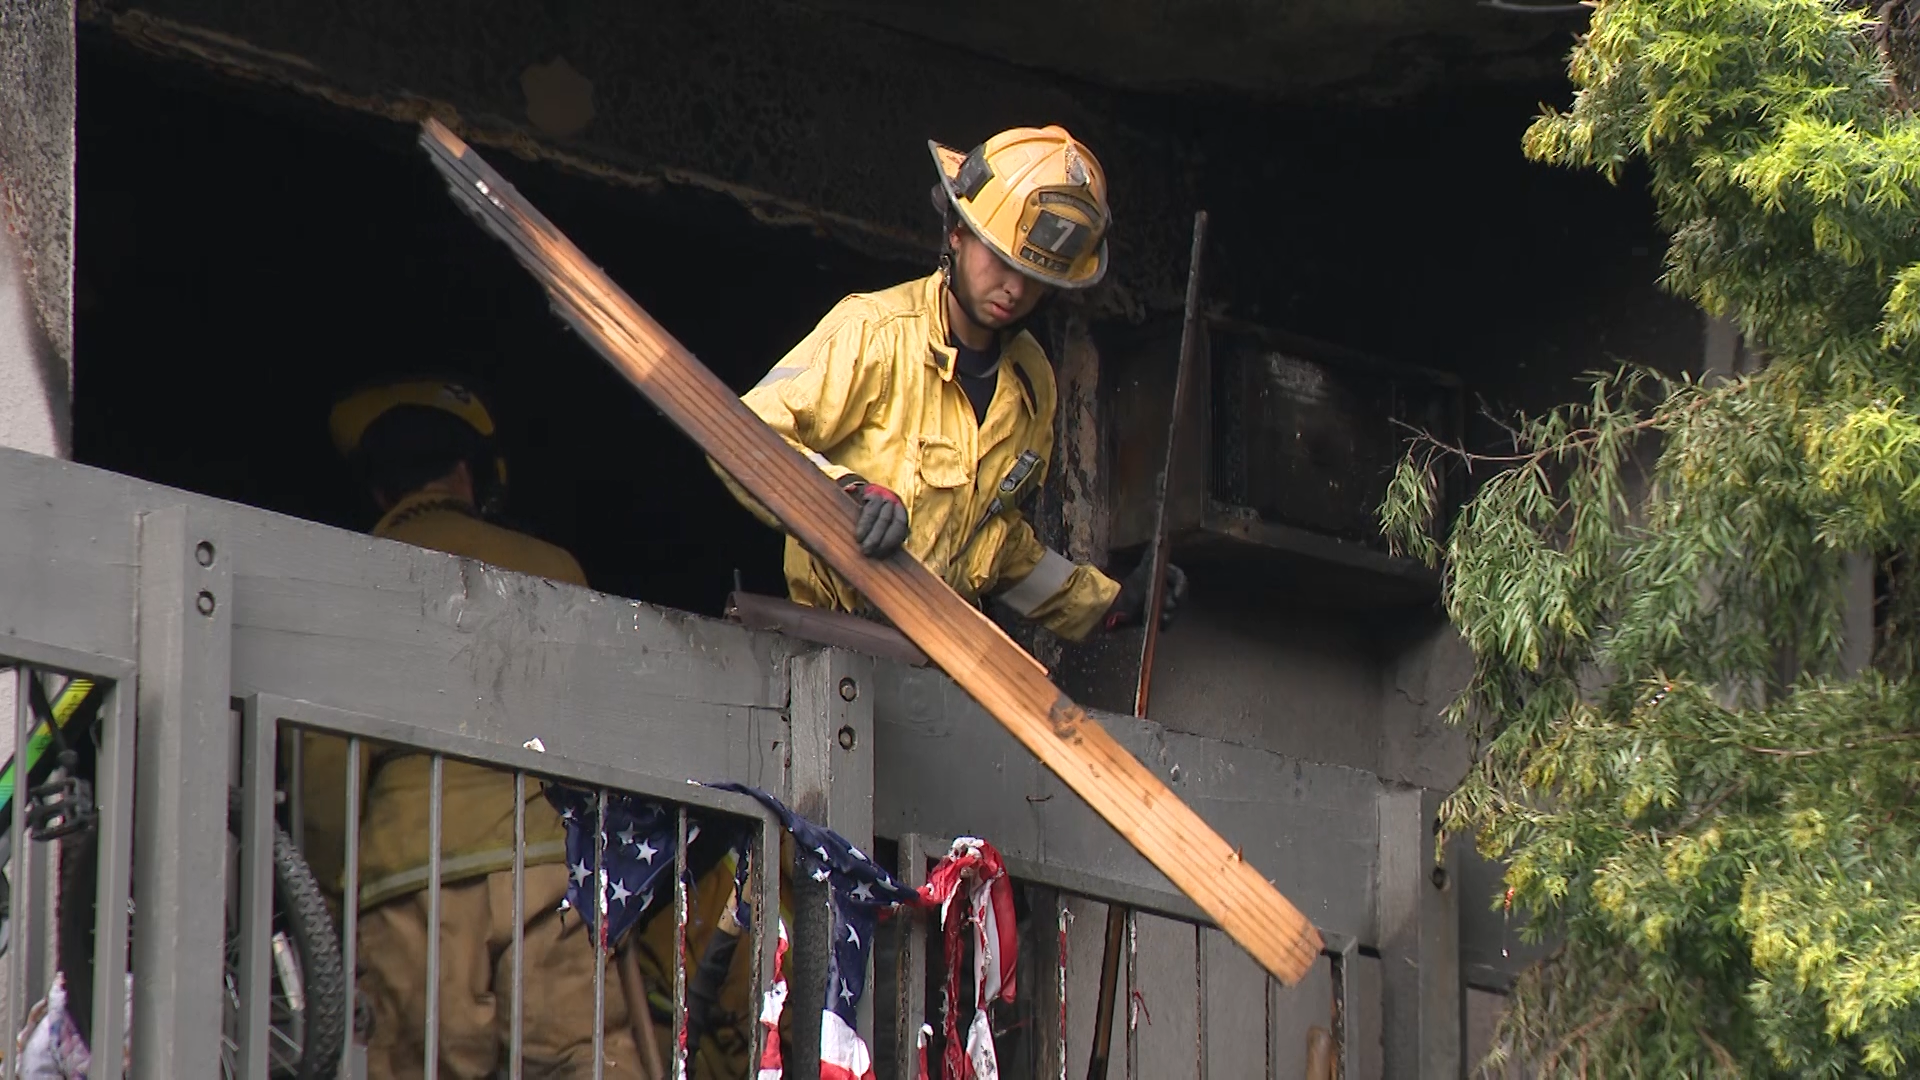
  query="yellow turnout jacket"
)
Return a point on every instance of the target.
[{"x": 871, "y": 392}]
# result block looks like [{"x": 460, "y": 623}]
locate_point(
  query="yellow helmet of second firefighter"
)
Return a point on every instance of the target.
[
  {"x": 1038, "y": 197},
  {"x": 354, "y": 414}
]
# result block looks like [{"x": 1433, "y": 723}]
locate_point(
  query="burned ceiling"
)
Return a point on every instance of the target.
[{"x": 1352, "y": 51}]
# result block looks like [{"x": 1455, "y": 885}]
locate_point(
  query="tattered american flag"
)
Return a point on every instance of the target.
[{"x": 858, "y": 890}]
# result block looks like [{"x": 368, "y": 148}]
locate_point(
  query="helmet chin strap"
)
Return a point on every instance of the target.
[{"x": 946, "y": 272}]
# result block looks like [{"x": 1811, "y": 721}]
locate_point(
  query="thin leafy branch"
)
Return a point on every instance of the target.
[{"x": 1814, "y": 751}]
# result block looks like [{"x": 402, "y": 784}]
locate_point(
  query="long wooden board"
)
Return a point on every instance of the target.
[{"x": 1000, "y": 675}]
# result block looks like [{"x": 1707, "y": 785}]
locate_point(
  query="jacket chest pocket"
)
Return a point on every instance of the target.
[
  {"x": 944, "y": 476},
  {"x": 940, "y": 464}
]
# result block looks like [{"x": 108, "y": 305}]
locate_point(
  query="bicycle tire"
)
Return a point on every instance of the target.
[
  {"x": 310, "y": 925},
  {"x": 298, "y": 900}
]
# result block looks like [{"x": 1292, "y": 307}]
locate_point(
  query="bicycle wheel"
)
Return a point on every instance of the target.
[{"x": 307, "y": 1005}]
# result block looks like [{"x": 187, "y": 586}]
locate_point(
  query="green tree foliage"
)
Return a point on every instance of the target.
[{"x": 1714, "y": 819}]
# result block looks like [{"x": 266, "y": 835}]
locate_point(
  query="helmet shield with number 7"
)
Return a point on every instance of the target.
[{"x": 1038, "y": 197}]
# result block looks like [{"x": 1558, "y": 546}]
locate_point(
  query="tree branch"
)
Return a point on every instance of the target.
[
  {"x": 1701, "y": 814},
  {"x": 1584, "y": 1030},
  {"x": 1862, "y": 744},
  {"x": 1575, "y": 440},
  {"x": 1536, "y": 9},
  {"x": 1720, "y": 1053}
]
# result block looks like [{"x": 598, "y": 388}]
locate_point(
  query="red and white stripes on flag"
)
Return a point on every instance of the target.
[
  {"x": 843, "y": 1053},
  {"x": 771, "y": 1006},
  {"x": 974, "y": 864}
]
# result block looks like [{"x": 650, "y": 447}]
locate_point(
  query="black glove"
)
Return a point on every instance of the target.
[
  {"x": 1130, "y": 607},
  {"x": 882, "y": 527}
]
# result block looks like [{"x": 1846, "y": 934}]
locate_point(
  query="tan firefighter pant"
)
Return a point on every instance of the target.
[{"x": 476, "y": 984}]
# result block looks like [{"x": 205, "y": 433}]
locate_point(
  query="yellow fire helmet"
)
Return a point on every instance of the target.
[
  {"x": 1038, "y": 197},
  {"x": 356, "y": 413}
]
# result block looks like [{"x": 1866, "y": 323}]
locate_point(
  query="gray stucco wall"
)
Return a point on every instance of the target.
[
  {"x": 1256, "y": 673},
  {"x": 36, "y": 245},
  {"x": 36, "y": 206}
]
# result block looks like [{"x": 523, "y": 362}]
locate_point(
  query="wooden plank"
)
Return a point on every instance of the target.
[{"x": 1007, "y": 682}]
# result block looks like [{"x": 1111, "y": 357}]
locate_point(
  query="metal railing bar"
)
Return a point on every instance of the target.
[
  {"x": 1131, "y": 1008},
  {"x": 1343, "y": 1003},
  {"x": 1064, "y": 917},
  {"x": 434, "y": 810},
  {"x": 296, "y": 787},
  {"x": 1267, "y": 1020},
  {"x": 480, "y": 751},
  {"x": 42, "y": 958},
  {"x": 681, "y": 908},
  {"x": 766, "y": 928},
  {"x": 911, "y": 964},
  {"x": 113, "y": 848},
  {"x": 349, "y": 899},
  {"x": 596, "y": 923},
  {"x": 18, "y": 946},
  {"x": 1200, "y": 983},
  {"x": 255, "y": 888},
  {"x": 516, "y": 1025},
  {"x": 100, "y": 667}
]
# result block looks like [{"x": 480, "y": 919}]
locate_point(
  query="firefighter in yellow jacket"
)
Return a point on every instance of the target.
[
  {"x": 424, "y": 451},
  {"x": 933, "y": 408}
]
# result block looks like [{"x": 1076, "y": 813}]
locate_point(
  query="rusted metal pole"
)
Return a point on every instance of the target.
[
  {"x": 633, "y": 987},
  {"x": 1156, "y": 599},
  {"x": 1189, "y": 342},
  {"x": 1109, "y": 990}
]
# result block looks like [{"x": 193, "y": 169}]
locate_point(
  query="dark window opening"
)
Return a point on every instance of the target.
[{"x": 245, "y": 256}]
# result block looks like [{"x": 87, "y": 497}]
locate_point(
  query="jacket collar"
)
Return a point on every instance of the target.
[
  {"x": 942, "y": 356},
  {"x": 940, "y": 351},
  {"x": 420, "y": 504}
]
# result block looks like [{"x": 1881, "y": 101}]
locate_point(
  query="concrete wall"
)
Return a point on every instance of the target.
[
  {"x": 36, "y": 207},
  {"x": 36, "y": 245},
  {"x": 1427, "y": 667},
  {"x": 1252, "y": 671}
]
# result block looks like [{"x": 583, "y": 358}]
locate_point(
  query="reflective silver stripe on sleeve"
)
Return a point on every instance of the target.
[
  {"x": 819, "y": 460},
  {"x": 1039, "y": 586},
  {"x": 780, "y": 374}
]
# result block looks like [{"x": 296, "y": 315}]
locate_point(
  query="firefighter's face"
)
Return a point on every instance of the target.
[{"x": 992, "y": 293}]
